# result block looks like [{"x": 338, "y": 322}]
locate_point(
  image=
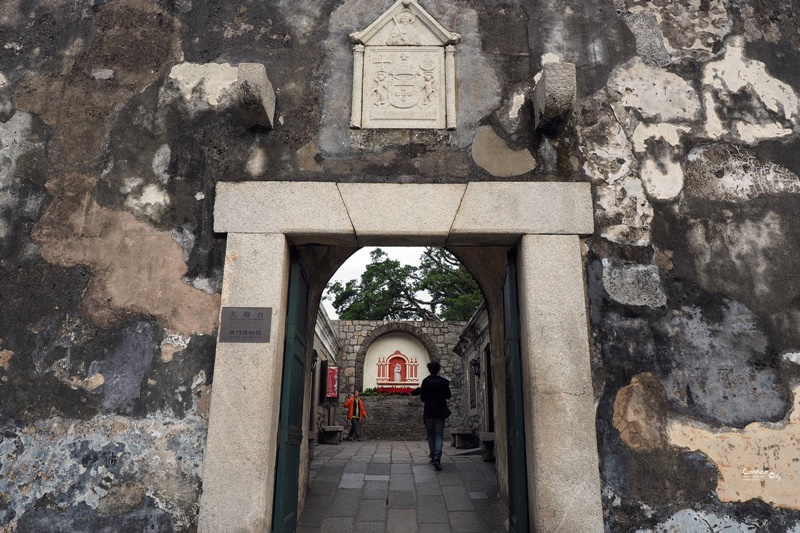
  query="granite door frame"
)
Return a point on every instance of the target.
[{"x": 543, "y": 220}]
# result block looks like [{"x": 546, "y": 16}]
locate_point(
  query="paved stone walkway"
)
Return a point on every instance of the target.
[{"x": 390, "y": 487}]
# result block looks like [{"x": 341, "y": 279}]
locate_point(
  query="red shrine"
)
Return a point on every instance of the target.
[{"x": 397, "y": 369}]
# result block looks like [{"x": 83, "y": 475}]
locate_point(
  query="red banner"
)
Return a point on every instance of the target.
[{"x": 333, "y": 382}]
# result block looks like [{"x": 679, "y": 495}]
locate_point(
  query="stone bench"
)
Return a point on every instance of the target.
[
  {"x": 331, "y": 434},
  {"x": 487, "y": 445},
  {"x": 461, "y": 437}
]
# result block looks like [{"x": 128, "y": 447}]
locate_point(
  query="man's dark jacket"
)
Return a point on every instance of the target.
[{"x": 434, "y": 391}]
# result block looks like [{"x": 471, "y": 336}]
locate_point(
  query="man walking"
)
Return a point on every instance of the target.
[
  {"x": 355, "y": 412},
  {"x": 434, "y": 392}
]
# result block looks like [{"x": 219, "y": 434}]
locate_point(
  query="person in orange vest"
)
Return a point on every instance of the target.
[{"x": 355, "y": 412}]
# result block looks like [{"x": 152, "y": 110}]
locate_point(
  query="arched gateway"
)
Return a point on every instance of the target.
[{"x": 315, "y": 226}]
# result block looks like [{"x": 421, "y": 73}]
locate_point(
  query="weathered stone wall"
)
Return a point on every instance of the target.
[
  {"x": 393, "y": 418},
  {"x": 118, "y": 117}
]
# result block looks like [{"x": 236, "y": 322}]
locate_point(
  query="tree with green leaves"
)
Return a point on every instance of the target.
[{"x": 439, "y": 289}]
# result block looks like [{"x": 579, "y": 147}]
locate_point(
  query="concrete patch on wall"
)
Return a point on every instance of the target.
[
  {"x": 629, "y": 284},
  {"x": 655, "y": 108},
  {"x": 491, "y": 153},
  {"x": 623, "y": 211},
  {"x": 759, "y": 461},
  {"x": 19, "y": 202},
  {"x": 733, "y": 174},
  {"x": 743, "y": 102},
  {"x": 76, "y": 231},
  {"x": 657, "y": 94},
  {"x": 148, "y": 201},
  {"x": 640, "y": 411},
  {"x": 659, "y": 147},
  {"x": 107, "y": 464}
]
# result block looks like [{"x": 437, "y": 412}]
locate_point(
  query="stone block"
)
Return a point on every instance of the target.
[
  {"x": 506, "y": 211},
  {"x": 402, "y": 214},
  {"x": 256, "y": 95},
  {"x": 239, "y": 472},
  {"x": 554, "y": 97},
  {"x": 309, "y": 211},
  {"x": 331, "y": 434},
  {"x": 557, "y": 372},
  {"x": 491, "y": 153}
]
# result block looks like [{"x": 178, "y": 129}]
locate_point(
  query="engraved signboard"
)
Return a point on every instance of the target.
[
  {"x": 245, "y": 324},
  {"x": 404, "y": 71}
]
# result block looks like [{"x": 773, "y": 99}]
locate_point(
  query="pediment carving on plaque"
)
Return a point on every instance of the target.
[{"x": 404, "y": 71}]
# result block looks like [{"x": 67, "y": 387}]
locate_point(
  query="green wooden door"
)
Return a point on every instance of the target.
[
  {"x": 290, "y": 426},
  {"x": 515, "y": 419}
]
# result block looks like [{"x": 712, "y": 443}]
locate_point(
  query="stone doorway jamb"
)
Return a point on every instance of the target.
[{"x": 544, "y": 219}]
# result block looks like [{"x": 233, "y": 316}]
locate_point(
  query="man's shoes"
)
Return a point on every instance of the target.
[
  {"x": 431, "y": 460},
  {"x": 437, "y": 465},
  {"x": 347, "y": 439}
]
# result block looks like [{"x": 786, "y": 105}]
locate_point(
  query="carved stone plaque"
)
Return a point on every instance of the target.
[
  {"x": 404, "y": 71},
  {"x": 245, "y": 324}
]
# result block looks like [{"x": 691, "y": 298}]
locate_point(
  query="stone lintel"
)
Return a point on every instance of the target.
[
  {"x": 308, "y": 212},
  {"x": 501, "y": 212},
  {"x": 402, "y": 214},
  {"x": 365, "y": 214}
]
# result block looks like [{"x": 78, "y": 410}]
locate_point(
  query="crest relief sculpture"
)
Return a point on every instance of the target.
[{"x": 404, "y": 71}]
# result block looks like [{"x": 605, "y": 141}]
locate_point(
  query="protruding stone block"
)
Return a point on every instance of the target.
[
  {"x": 256, "y": 95},
  {"x": 554, "y": 96}
]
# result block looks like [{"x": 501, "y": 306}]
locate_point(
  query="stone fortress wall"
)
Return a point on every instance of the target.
[{"x": 118, "y": 118}]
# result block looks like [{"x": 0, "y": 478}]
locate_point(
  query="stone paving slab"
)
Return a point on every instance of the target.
[
  {"x": 457, "y": 498},
  {"x": 353, "y": 488}
]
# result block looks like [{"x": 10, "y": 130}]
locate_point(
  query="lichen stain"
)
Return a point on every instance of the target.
[
  {"x": 734, "y": 174},
  {"x": 136, "y": 269},
  {"x": 112, "y": 452},
  {"x": 748, "y": 247},
  {"x": 759, "y": 461},
  {"x": 135, "y": 39},
  {"x": 690, "y": 29}
]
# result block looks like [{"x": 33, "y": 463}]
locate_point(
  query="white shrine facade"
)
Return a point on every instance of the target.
[{"x": 398, "y": 370}]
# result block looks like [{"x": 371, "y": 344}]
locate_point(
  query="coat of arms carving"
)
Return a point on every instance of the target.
[{"x": 404, "y": 71}]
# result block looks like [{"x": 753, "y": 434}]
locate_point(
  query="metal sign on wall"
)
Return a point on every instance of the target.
[{"x": 245, "y": 324}]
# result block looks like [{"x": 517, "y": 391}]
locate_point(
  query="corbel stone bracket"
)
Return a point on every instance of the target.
[
  {"x": 255, "y": 95},
  {"x": 554, "y": 97}
]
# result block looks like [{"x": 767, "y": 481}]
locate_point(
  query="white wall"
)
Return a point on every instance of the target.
[{"x": 386, "y": 346}]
